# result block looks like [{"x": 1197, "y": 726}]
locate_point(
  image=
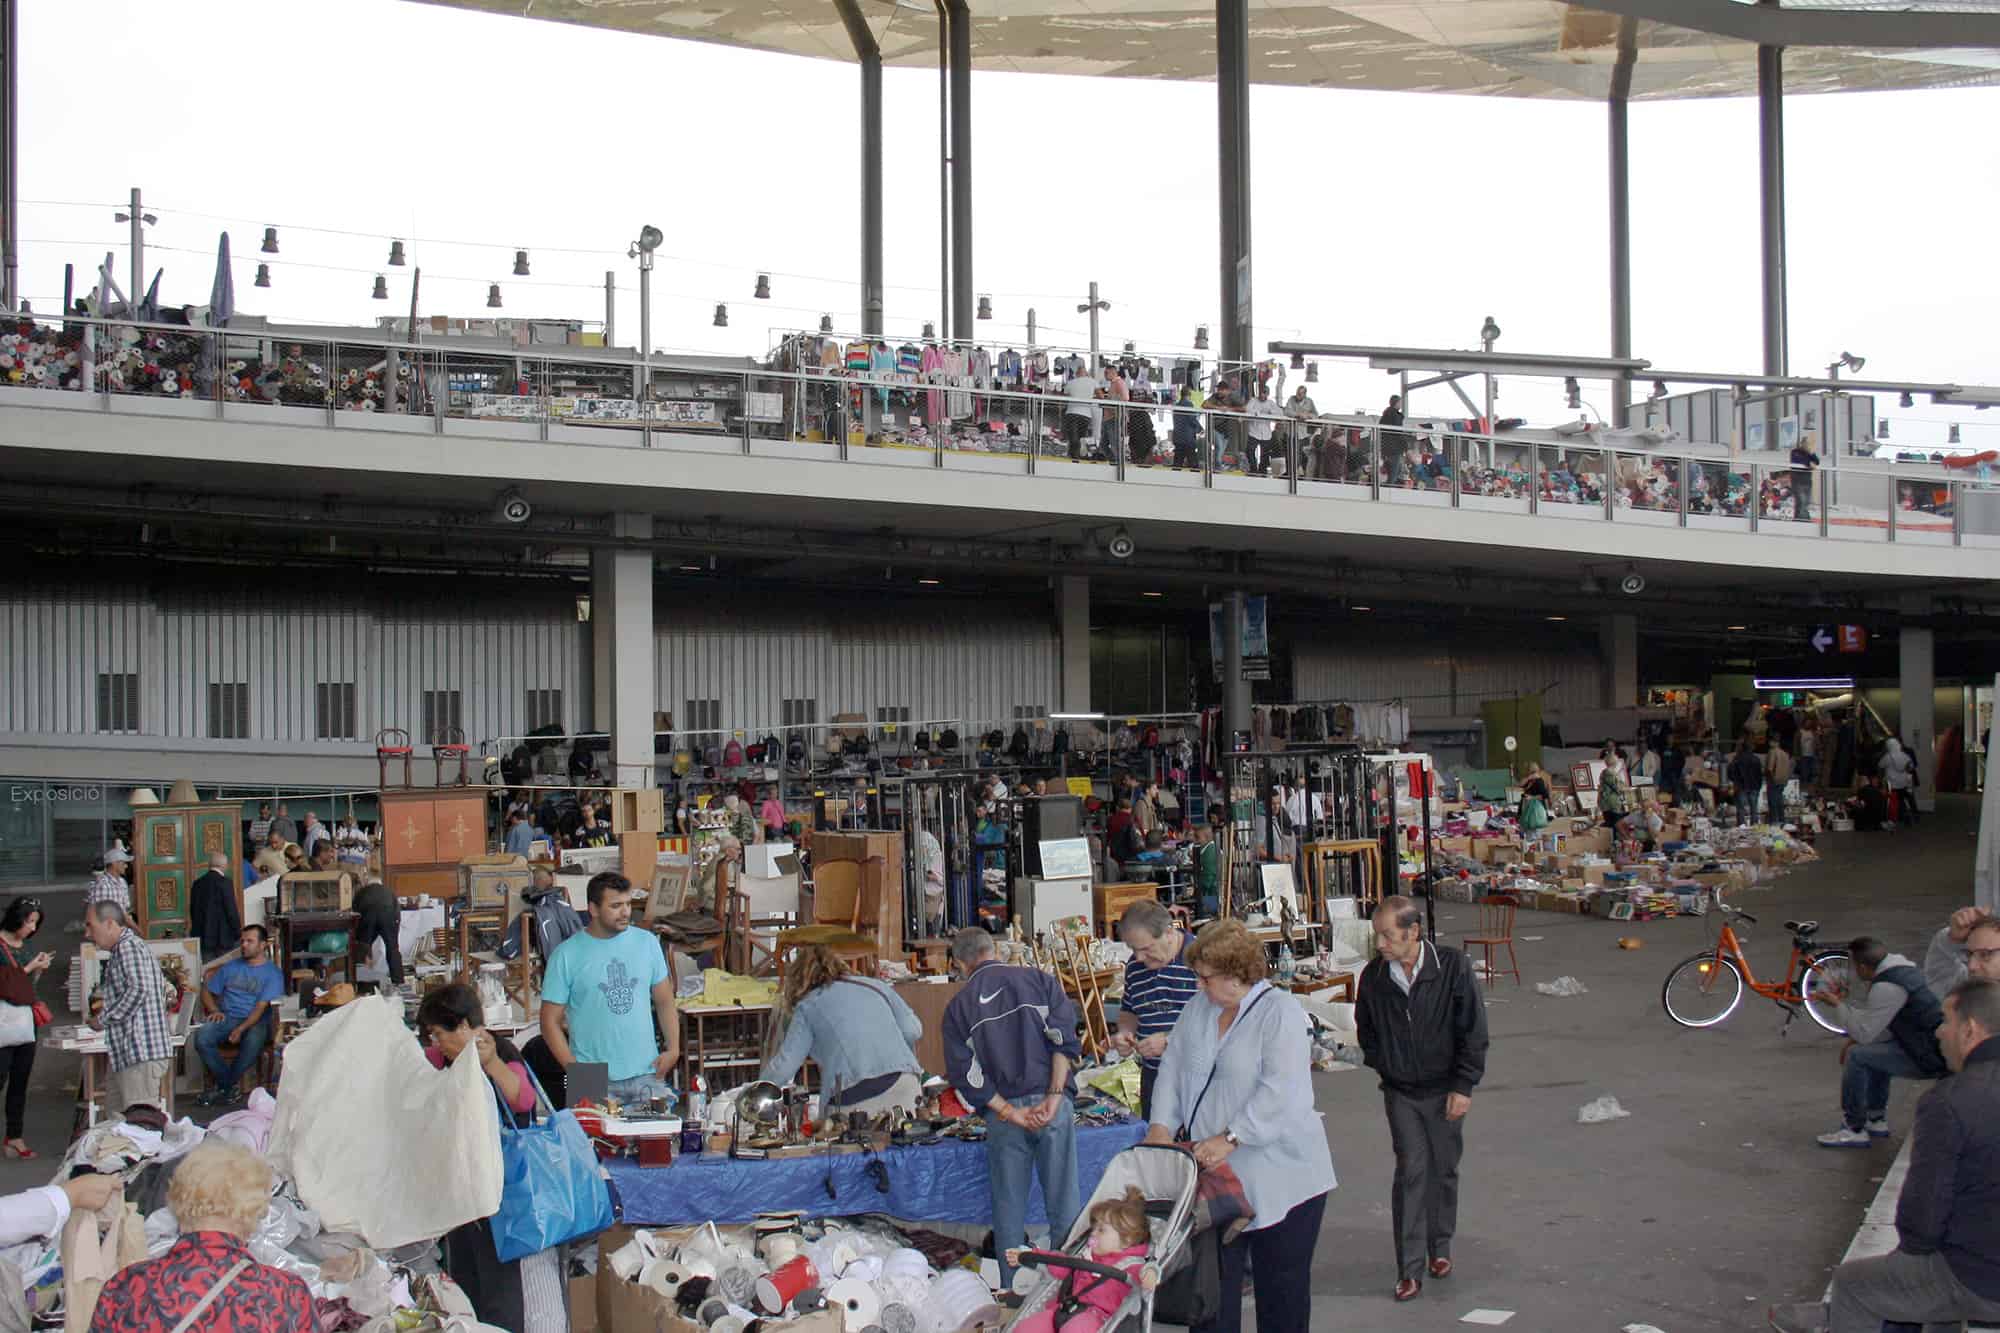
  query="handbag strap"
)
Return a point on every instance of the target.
[
  {"x": 1187, "y": 1122},
  {"x": 542, "y": 1103},
  {"x": 208, "y": 1298}
]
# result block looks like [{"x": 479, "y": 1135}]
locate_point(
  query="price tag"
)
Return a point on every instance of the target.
[{"x": 1079, "y": 787}]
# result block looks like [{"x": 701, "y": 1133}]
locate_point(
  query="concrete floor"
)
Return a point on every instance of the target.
[{"x": 1711, "y": 1202}]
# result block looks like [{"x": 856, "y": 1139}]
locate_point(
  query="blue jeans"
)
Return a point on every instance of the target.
[
  {"x": 1864, "y": 1083},
  {"x": 208, "y": 1042},
  {"x": 1746, "y": 805},
  {"x": 1774, "y": 801},
  {"x": 1012, "y": 1153}
]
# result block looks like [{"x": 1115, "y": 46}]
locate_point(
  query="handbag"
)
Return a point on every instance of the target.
[
  {"x": 43, "y": 1014},
  {"x": 17, "y": 1025},
  {"x": 550, "y": 1188}
]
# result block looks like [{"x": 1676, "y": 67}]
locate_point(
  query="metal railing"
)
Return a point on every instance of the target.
[{"x": 588, "y": 396}]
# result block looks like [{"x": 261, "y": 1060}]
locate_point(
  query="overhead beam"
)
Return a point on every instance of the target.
[
  {"x": 1232, "y": 103},
  {"x": 1770, "y": 25},
  {"x": 1771, "y": 201},
  {"x": 870, "y": 55},
  {"x": 10, "y": 153},
  {"x": 961, "y": 169}
]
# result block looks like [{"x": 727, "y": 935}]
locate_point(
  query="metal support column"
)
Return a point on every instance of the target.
[
  {"x": 1232, "y": 100},
  {"x": 1618, "y": 126},
  {"x": 10, "y": 155},
  {"x": 1235, "y": 689},
  {"x": 961, "y": 170},
  {"x": 1771, "y": 192},
  {"x": 870, "y": 55}
]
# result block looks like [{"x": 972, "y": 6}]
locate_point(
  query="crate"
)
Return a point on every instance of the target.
[
  {"x": 304, "y": 891},
  {"x": 492, "y": 881}
]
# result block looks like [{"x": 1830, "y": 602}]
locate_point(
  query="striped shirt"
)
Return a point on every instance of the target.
[
  {"x": 135, "y": 1009},
  {"x": 1155, "y": 996},
  {"x": 107, "y": 886}
]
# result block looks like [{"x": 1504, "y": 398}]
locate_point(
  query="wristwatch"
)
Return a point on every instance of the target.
[{"x": 1230, "y": 1135}]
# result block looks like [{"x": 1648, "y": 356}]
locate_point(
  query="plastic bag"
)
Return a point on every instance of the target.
[
  {"x": 1601, "y": 1110},
  {"x": 552, "y": 1190},
  {"x": 376, "y": 1140},
  {"x": 1120, "y": 1080},
  {"x": 1561, "y": 986}
]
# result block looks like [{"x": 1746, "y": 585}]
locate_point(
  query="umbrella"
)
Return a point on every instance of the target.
[
  {"x": 1986, "y": 863},
  {"x": 222, "y": 296}
]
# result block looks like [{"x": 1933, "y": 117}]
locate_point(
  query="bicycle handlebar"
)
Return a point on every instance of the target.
[{"x": 1736, "y": 911}]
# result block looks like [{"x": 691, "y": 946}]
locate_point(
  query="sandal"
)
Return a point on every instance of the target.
[{"x": 13, "y": 1148}]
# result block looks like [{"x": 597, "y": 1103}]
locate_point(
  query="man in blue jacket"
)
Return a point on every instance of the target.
[
  {"x": 1009, "y": 1045},
  {"x": 1946, "y": 1264}
]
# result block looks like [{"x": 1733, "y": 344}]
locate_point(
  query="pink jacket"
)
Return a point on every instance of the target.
[{"x": 1094, "y": 1289}]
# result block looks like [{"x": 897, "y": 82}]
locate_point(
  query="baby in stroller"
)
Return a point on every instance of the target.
[{"x": 1085, "y": 1301}]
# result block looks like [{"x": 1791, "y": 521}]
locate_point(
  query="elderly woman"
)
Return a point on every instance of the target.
[
  {"x": 837, "y": 1020},
  {"x": 208, "y": 1279},
  {"x": 1237, "y": 1081}
]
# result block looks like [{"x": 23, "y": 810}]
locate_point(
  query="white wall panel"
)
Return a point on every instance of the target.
[{"x": 1435, "y": 675}]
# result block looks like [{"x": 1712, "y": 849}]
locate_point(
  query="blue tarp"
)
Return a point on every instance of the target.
[{"x": 944, "y": 1182}]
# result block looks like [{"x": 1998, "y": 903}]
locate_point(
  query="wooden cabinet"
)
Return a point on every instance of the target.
[
  {"x": 171, "y": 848},
  {"x": 426, "y": 832}
]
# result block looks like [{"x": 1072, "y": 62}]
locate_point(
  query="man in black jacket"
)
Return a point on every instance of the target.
[
  {"x": 1422, "y": 1027},
  {"x": 212, "y": 910},
  {"x": 1946, "y": 1264}
]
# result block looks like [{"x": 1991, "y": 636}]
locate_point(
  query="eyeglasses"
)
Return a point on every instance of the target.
[
  {"x": 29, "y": 904},
  {"x": 1981, "y": 955}
]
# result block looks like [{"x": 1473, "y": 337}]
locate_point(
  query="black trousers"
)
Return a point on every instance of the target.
[
  {"x": 1424, "y": 1198},
  {"x": 493, "y": 1287},
  {"x": 387, "y": 927},
  {"x": 1148, "y": 1076},
  {"x": 1282, "y": 1255},
  {"x": 1076, "y": 430},
  {"x": 17, "y": 1061}
]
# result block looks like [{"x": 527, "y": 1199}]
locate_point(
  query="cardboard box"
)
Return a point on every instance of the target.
[
  {"x": 583, "y": 1304},
  {"x": 638, "y": 810},
  {"x": 1453, "y": 846}
]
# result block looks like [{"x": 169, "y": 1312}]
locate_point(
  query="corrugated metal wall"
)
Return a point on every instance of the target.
[
  {"x": 953, "y": 662},
  {"x": 281, "y": 641},
  {"x": 280, "y": 644},
  {"x": 1437, "y": 675}
]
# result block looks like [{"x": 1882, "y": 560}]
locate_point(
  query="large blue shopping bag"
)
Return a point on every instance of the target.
[{"x": 551, "y": 1188}]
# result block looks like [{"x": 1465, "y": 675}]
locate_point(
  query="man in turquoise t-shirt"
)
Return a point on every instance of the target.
[
  {"x": 237, "y": 998},
  {"x": 600, "y": 980}
]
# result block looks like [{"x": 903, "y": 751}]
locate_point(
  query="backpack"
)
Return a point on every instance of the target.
[
  {"x": 1019, "y": 746},
  {"x": 994, "y": 739},
  {"x": 555, "y": 921},
  {"x": 923, "y": 740},
  {"x": 712, "y": 756},
  {"x": 732, "y": 754},
  {"x": 683, "y": 761},
  {"x": 772, "y": 749},
  {"x": 949, "y": 740},
  {"x": 1280, "y": 724},
  {"x": 795, "y": 752}
]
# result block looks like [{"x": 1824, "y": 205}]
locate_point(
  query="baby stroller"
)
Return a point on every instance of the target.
[{"x": 1167, "y": 1177}]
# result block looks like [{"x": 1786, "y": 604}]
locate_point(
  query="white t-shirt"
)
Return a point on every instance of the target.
[
  {"x": 1262, "y": 407},
  {"x": 1083, "y": 389}
]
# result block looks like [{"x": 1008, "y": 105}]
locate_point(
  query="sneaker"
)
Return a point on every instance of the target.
[
  {"x": 1799, "y": 1318},
  {"x": 1878, "y": 1127},
  {"x": 1846, "y": 1138}
]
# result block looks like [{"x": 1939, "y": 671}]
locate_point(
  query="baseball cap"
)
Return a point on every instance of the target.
[{"x": 117, "y": 856}]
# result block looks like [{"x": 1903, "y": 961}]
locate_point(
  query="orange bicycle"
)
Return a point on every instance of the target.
[{"x": 1706, "y": 989}]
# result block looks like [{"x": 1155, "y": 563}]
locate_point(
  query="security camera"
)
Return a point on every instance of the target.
[
  {"x": 1122, "y": 546},
  {"x": 513, "y": 507},
  {"x": 1632, "y": 584}
]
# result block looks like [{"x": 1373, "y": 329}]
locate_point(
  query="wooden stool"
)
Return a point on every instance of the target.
[
  {"x": 855, "y": 950},
  {"x": 1370, "y": 853}
]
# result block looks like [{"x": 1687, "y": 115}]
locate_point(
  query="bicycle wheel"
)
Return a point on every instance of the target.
[
  {"x": 1702, "y": 991},
  {"x": 1830, "y": 970}
]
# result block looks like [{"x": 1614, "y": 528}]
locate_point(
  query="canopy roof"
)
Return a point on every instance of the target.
[{"x": 1514, "y": 48}]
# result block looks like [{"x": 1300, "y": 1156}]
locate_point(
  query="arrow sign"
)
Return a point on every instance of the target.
[{"x": 1821, "y": 640}]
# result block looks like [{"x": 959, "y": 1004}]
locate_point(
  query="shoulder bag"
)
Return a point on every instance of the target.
[
  {"x": 40, "y": 1014},
  {"x": 551, "y": 1190}
]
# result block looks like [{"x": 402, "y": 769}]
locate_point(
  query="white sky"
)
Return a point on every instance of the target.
[{"x": 1380, "y": 218}]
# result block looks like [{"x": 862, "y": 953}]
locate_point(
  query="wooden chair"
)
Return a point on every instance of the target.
[
  {"x": 450, "y": 744},
  {"x": 392, "y": 743},
  {"x": 1368, "y": 852},
  {"x": 1496, "y": 931}
]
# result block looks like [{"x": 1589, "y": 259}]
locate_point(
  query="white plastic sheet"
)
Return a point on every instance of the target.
[{"x": 377, "y": 1141}]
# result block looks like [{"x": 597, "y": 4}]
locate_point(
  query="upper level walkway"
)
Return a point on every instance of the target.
[{"x": 111, "y": 404}]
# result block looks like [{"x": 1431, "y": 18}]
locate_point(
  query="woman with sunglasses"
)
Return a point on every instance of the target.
[{"x": 18, "y": 970}]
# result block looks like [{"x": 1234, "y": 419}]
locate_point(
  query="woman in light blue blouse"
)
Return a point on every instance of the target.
[{"x": 1237, "y": 1082}]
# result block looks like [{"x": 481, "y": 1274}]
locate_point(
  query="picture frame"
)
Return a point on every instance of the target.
[
  {"x": 670, "y": 888},
  {"x": 1621, "y": 912},
  {"x": 1279, "y": 886}
]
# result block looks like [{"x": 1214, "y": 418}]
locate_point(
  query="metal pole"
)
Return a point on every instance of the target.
[
  {"x": 870, "y": 56},
  {"x": 1094, "y": 359},
  {"x": 1031, "y": 328},
  {"x": 961, "y": 170},
  {"x": 1232, "y": 98},
  {"x": 1486, "y": 344},
  {"x": 644, "y": 391},
  {"x": 1618, "y": 124},
  {"x": 610, "y": 309},
  {"x": 1771, "y": 181},
  {"x": 944, "y": 170},
  {"x": 138, "y": 252},
  {"x": 10, "y": 156}
]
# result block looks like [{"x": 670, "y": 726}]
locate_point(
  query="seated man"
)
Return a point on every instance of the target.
[
  {"x": 1946, "y": 1264},
  {"x": 1869, "y": 806},
  {"x": 1967, "y": 945},
  {"x": 1891, "y": 1033},
  {"x": 237, "y": 999}
]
